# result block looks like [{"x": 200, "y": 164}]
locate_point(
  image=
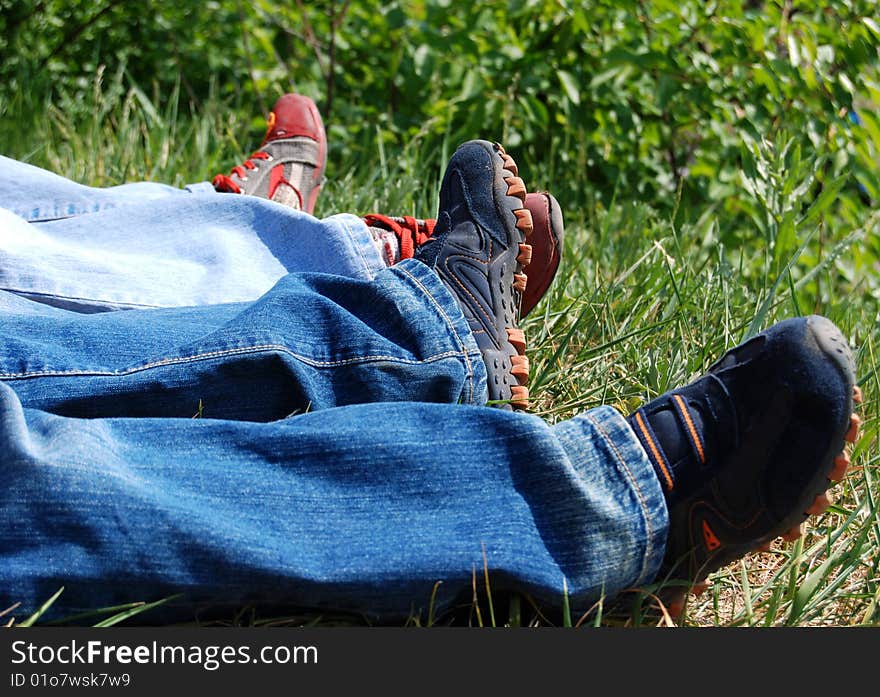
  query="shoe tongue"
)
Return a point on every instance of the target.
[
  {"x": 427, "y": 252},
  {"x": 683, "y": 432},
  {"x": 683, "y": 453}
]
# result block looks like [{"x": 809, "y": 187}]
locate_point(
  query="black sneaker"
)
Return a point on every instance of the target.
[
  {"x": 478, "y": 251},
  {"x": 745, "y": 454},
  {"x": 541, "y": 256}
]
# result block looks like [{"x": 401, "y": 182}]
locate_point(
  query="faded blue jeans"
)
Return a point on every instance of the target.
[
  {"x": 150, "y": 245},
  {"x": 323, "y": 446}
]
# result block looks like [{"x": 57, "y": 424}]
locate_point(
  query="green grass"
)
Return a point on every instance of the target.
[{"x": 643, "y": 302}]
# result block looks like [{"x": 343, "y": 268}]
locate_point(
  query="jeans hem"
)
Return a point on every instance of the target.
[
  {"x": 359, "y": 242},
  {"x": 629, "y": 462}
]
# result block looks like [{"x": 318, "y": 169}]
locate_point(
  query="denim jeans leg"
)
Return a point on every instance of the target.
[
  {"x": 164, "y": 248},
  {"x": 35, "y": 194},
  {"x": 353, "y": 493},
  {"x": 365, "y": 508},
  {"x": 312, "y": 342}
]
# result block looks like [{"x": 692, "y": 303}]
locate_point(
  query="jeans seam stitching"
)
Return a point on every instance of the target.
[
  {"x": 232, "y": 352},
  {"x": 463, "y": 350},
  {"x": 649, "y": 548}
]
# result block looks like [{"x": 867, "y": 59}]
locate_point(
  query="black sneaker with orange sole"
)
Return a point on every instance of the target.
[
  {"x": 478, "y": 249},
  {"x": 541, "y": 255},
  {"x": 747, "y": 452}
]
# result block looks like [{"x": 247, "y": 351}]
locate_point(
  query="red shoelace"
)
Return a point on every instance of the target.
[
  {"x": 410, "y": 232},
  {"x": 224, "y": 183}
]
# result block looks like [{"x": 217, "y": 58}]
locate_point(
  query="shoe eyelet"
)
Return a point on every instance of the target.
[{"x": 269, "y": 158}]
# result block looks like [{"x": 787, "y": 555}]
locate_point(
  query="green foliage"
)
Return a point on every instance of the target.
[
  {"x": 639, "y": 93},
  {"x": 665, "y": 102}
]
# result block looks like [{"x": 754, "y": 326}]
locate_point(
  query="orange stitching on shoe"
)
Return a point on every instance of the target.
[
  {"x": 655, "y": 450},
  {"x": 452, "y": 275},
  {"x": 724, "y": 519},
  {"x": 679, "y": 402}
]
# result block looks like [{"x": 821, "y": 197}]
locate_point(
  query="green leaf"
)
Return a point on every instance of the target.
[
  {"x": 824, "y": 200},
  {"x": 570, "y": 86},
  {"x": 794, "y": 54},
  {"x": 872, "y": 25}
]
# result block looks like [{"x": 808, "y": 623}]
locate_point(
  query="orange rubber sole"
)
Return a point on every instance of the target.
[{"x": 515, "y": 336}]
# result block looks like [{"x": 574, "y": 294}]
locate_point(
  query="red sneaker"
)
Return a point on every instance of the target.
[{"x": 289, "y": 166}]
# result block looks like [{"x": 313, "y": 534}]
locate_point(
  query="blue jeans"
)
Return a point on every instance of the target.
[
  {"x": 340, "y": 457},
  {"x": 150, "y": 245}
]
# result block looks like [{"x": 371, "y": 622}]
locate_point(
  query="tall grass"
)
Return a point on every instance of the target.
[{"x": 642, "y": 304}]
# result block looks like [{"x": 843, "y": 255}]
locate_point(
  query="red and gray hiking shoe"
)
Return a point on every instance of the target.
[
  {"x": 541, "y": 256},
  {"x": 289, "y": 166},
  {"x": 746, "y": 453},
  {"x": 478, "y": 249}
]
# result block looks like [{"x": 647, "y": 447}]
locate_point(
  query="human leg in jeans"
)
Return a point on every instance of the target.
[
  {"x": 336, "y": 506},
  {"x": 151, "y": 245},
  {"x": 367, "y": 506},
  {"x": 173, "y": 249},
  {"x": 314, "y": 341},
  {"x": 364, "y": 507},
  {"x": 350, "y": 508}
]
